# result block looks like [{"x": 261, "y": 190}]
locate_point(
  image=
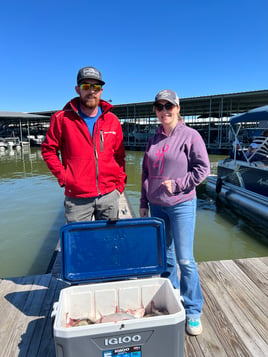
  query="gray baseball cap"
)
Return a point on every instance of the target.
[
  {"x": 89, "y": 73},
  {"x": 169, "y": 95}
]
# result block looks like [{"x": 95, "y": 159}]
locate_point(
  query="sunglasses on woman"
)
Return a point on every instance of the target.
[
  {"x": 159, "y": 107},
  {"x": 89, "y": 86}
]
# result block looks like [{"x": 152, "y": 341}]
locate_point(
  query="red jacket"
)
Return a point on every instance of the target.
[{"x": 88, "y": 167}]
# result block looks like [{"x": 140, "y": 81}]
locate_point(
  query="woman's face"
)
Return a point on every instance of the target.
[{"x": 167, "y": 116}]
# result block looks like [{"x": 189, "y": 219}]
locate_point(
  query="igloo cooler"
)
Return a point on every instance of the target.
[{"x": 115, "y": 266}]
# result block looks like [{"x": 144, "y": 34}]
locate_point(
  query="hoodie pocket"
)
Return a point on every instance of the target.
[{"x": 158, "y": 193}]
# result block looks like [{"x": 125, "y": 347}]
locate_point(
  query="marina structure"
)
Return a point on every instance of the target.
[{"x": 208, "y": 114}]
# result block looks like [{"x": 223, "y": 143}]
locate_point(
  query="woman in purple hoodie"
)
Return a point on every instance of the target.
[{"x": 174, "y": 163}]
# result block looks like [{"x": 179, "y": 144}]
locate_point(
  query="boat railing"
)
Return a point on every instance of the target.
[
  {"x": 260, "y": 151},
  {"x": 242, "y": 153}
]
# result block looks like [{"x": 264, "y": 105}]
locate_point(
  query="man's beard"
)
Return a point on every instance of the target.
[{"x": 90, "y": 102}]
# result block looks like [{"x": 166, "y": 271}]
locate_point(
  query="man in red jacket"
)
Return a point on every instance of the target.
[{"x": 89, "y": 139}]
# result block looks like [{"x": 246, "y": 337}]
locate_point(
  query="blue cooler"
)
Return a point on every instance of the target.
[{"x": 111, "y": 266}]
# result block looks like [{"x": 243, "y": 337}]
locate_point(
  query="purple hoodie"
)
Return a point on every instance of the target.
[{"x": 181, "y": 157}]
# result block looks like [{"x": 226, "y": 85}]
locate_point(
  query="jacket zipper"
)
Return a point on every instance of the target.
[
  {"x": 101, "y": 140},
  {"x": 96, "y": 156}
]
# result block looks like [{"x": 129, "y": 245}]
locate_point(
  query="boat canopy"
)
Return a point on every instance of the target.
[{"x": 256, "y": 114}]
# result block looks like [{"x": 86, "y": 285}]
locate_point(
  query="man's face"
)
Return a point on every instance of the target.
[{"x": 89, "y": 98}]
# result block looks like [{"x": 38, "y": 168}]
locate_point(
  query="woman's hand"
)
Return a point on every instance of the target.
[
  {"x": 144, "y": 212},
  {"x": 168, "y": 184}
]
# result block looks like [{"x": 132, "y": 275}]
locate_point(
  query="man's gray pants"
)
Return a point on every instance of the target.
[{"x": 87, "y": 209}]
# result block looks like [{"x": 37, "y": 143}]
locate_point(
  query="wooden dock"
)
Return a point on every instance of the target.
[{"x": 235, "y": 314}]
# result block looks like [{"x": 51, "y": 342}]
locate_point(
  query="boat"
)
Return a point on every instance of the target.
[
  {"x": 35, "y": 140},
  {"x": 242, "y": 182},
  {"x": 2, "y": 145},
  {"x": 9, "y": 144}
]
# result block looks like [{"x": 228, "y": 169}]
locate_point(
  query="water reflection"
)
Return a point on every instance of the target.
[
  {"x": 20, "y": 163},
  {"x": 32, "y": 213}
]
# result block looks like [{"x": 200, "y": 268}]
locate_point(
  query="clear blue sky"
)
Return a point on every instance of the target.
[{"x": 194, "y": 47}]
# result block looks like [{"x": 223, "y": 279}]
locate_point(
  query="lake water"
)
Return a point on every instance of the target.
[{"x": 32, "y": 212}]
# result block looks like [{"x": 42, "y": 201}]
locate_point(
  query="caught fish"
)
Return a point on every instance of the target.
[
  {"x": 120, "y": 315},
  {"x": 156, "y": 311},
  {"x": 79, "y": 322},
  {"x": 137, "y": 313},
  {"x": 115, "y": 317}
]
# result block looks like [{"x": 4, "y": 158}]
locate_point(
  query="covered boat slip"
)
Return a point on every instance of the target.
[
  {"x": 258, "y": 117},
  {"x": 208, "y": 114},
  {"x": 235, "y": 315}
]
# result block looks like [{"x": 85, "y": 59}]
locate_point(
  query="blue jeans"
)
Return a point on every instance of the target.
[{"x": 180, "y": 226}]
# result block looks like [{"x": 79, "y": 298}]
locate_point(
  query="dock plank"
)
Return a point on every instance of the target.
[
  {"x": 257, "y": 270},
  {"x": 26, "y": 304},
  {"x": 235, "y": 308},
  {"x": 235, "y": 314}
]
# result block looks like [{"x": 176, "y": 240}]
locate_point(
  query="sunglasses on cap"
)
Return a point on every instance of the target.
[
  {"x": 89, "y": 86},
  {"x": 159, "y": 107}
]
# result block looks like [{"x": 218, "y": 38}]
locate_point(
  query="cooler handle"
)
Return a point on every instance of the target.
[{"x": 112, "y": 220}]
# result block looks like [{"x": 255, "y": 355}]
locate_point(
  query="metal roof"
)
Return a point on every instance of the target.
[
  {"x": 21, "y": 116},
  {"x": 221, "y": 105},
  {"x": 207, "y": 106}
]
